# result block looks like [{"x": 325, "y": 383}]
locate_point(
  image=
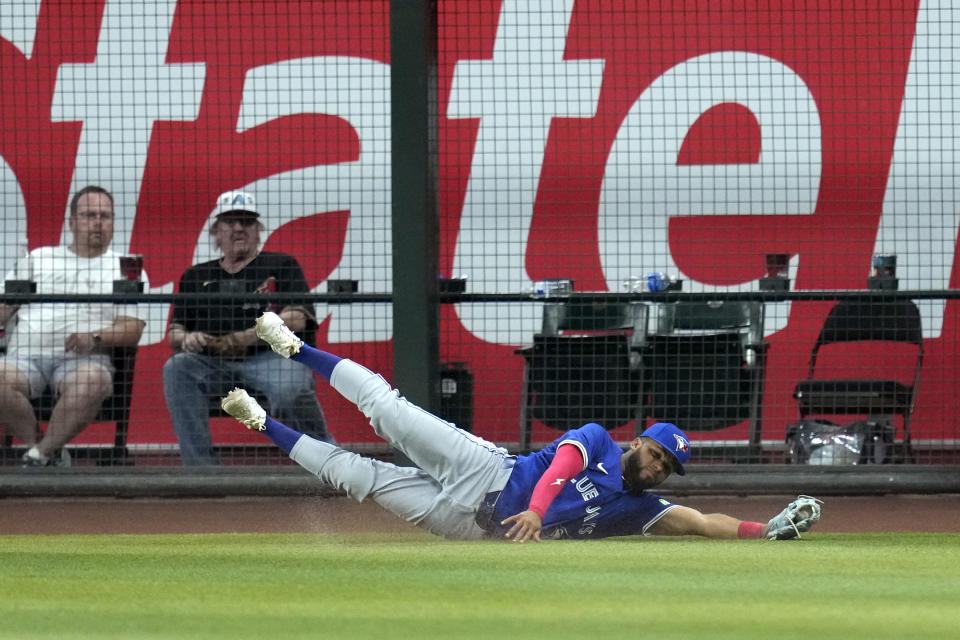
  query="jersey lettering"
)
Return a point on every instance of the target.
[
  {"x": 587, "y": 527},
  {"x": 586, "y": 488}
]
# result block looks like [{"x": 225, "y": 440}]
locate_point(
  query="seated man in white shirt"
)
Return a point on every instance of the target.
[{"x": 65, "y": 346}]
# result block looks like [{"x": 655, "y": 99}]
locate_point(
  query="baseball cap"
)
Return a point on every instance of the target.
[
  {"x": 671, "y": 439},
  {"x": 232, "y": 201}
]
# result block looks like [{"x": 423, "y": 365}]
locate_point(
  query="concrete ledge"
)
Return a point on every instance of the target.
[
  {"x": 161, "y": 482},
  {"x": 169, "y": 482},
  {"x": 820, "y": 480}
]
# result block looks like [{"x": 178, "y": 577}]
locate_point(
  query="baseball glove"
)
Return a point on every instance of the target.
[{"x": 799, "y": 516}]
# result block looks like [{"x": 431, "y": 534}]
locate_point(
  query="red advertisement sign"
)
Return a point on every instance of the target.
[{"x": 588, "y": 140}]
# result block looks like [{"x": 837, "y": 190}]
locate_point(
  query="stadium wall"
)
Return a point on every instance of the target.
[{"x": 593, "y": 141}]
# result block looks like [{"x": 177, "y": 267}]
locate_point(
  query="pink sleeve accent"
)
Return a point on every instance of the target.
[
  {"x": 749, "y": 530},
  {"x": 567, "y": 463}
]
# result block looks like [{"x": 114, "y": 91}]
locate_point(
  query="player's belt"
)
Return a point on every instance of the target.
[{"x": 484, "y": 515}]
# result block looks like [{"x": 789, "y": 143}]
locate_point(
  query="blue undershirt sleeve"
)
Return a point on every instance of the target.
[
  {"x": 320, "y": 361},
  {"x": 282, "y": 435}
]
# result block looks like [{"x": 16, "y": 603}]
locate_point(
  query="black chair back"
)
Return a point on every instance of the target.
[
  {"x": 699, "y": 382},
  {"x": 578, "y": 379},
  {"x": 855, "y": 320}
]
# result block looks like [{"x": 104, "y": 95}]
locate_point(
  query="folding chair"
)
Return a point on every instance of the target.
[
  {"x": 583, "y": 366},
  {"x": 878, "y": 399},
  {"x": 705, "y": 365}
]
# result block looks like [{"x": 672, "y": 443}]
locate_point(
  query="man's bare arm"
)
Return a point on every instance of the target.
[
  {"x": 684, "y": 521},
  {"x": 124, "y": 332},
  {"x": 7, "y": 311},
  {"x": 798, "y": 517}
]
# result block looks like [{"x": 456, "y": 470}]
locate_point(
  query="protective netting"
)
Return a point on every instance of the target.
[{"x": 708, "y": 180}]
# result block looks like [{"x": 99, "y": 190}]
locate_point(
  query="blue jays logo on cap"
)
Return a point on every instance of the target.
[{"x": 671, "y": 439}]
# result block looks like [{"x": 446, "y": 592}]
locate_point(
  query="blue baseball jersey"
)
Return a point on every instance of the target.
[{"x": 592, "y": 504}]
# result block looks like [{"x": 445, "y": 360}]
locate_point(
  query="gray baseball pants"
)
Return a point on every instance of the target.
[{"x": 456, "y": 469}]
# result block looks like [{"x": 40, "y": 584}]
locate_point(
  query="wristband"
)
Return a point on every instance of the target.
[{"x": 750, "y": 530}]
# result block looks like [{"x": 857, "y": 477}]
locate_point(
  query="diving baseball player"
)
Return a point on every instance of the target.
[{"x": 583, "y": 485}]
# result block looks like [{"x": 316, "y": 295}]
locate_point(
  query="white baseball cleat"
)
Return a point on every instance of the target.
[
  {"x": 247, "y": 410},
  {"x": 272, "y": 330}
]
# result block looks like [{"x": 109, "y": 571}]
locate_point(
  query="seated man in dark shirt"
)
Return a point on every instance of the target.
[{"x": 215, "y": 347}]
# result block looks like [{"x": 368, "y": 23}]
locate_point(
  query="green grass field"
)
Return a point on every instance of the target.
[{"x": 416, "y": 586}]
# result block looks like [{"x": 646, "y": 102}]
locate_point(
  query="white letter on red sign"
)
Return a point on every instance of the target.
[
  {"x": 643, "y": 185},
  {"x": 119, "y": 97},
  {"x": 515, "y": 95},
  {"x": 358, "y": 91},
  {"x": 920, "y": 211}
]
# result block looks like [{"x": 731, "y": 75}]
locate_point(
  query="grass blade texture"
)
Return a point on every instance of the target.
[{"x": 416, "y": 586}]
